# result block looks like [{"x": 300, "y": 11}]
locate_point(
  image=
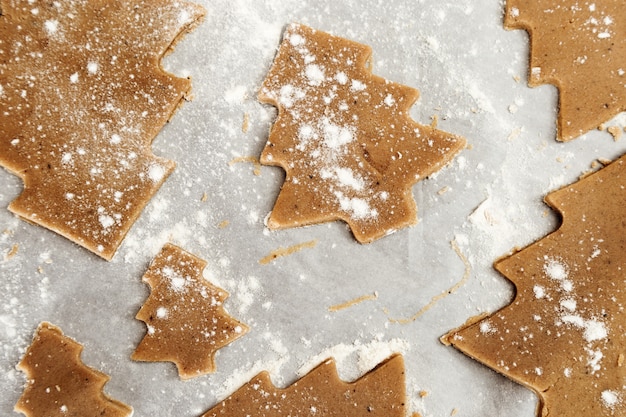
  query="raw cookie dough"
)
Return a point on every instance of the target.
[
  {"x": 379, "y": 393},
  {"x": 59, "y": 383},
  {"x": 82, "y": 96},
  {"x": 185, "y": 316},
  {"x": 580, "y": 47},
  {"x": 564, "y": 334},
  {"x": 345, "y": 138}
]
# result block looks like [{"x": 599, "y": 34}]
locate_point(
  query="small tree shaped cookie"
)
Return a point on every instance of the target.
[
  {"x": 345, "y": 138},
  {"x": 59, "y": 383},
  {"x": 379, "y": 393},
  {"x": 580, "y": 47},
  {"x": 82, "y": 96},
  {"x": 185, "y": 316},
  {"x": 564, "y": 334}
]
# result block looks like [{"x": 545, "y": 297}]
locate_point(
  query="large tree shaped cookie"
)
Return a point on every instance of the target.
[
  {"x": 59, "y": 383},
  {"x": 345, "y": 138},
  {"x": 379, "y": 393},
  {"x": 580, "y": 47},
  {"x": 564, "y": 334},
  {"x": 82, "y": 96},
  {"x": 186, "y": 320}
]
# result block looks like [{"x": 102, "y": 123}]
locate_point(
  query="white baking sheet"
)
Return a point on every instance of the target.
[{"x": 471, "y": 74}]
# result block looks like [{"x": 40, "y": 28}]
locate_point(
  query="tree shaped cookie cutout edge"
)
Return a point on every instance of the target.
[
  {"x": 81, "y": 101},
  {"x": 580, "y": 49},
  {"x": 563, "y": 334},
  {"x": 184, "y": 314},
  {"x": 381, "y": 392},
  {"x": 58, "y": 387},
  {"x": 345, "y": 138}
]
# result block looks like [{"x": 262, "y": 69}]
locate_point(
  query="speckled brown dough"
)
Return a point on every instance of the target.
[
  {"x": 345, "y": 138},
  {"x": 580, "y": 47},
  {"x": 82, "y": 96},
  {"x": 186, "y": 320},
  {"x": 564, "y": 333},
  {"x": 379, "y": 393},
  {"x": 59, "y": 383}
]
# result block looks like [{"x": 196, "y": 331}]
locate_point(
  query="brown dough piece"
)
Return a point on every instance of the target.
[
  {"x": 82, "y": 96},
  {"x": 564, "y": 334},
  {"x": 345, "y": 138},
  {"x": 186, "y": 320},
  {"x": 580, "y": 47},
  {"x": 59, "y": 383},
  {"x": 379, "y": 393}
]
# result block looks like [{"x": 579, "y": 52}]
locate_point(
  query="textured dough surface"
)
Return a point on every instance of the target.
[
  {"x": 184, "y": 314},
  {"x": 564, "y": 333},
  {"x": 82, "y": 96},
  {"x": 345, "y": 138},
  {"x": 580, "y": 47},
  {"x": 59, "y": 383}
]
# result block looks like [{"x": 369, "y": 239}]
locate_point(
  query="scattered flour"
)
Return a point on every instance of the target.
[
  {"x": 279, "y": 357},
  {"x": 354, "y": 360},
  {"x": 555, "y": 269},
  {"x": 236, "y": 95},
  {"x": 610, "y": 398},
  {"x": 51, "y": 26},
  {"x": 156, "y": 172}
]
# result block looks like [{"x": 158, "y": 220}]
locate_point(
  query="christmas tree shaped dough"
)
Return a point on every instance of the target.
[
  {"x": 379, "y": 393},
  {"x": 345, "y": 138},
  {"x": 564, "y": 334},
  {"x": 82, "y": 96},
  {"x": 185, "y": 316},
  {"x": 59, "y": 383},
  {"x": 580, "y": 47}
]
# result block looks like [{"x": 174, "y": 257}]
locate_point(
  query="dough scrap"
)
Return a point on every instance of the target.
[
  {"x": 379, "y": 393},
  {"x": 580, "y": 47},
  {"x": 186, "y": 320},
  {"x": 82, "y": 96},
  {"x": 564, "y": 334},
  {"x": 59, "y": 383},
  {"x": 344, "y": 137}
]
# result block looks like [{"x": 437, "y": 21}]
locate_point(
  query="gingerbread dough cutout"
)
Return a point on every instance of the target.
[
  {"x": 564, "y": 334},
  {"x": 82, "y": 96},
  {"x": 580, "y": 47},
  {"x": 379, "y": 393},
  {"x": 345, "y": 138},
  {"x": 59, "y": 383},
  {"x": 186, "y": 320}
]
